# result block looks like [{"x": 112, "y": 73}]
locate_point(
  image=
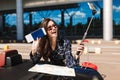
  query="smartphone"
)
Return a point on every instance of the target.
[{"x": 35, "y": 34}]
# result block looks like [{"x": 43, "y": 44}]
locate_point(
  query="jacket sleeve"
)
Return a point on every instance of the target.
[
  {"x": 35, "y": 58},
  {"x": 70, "y": 60}
]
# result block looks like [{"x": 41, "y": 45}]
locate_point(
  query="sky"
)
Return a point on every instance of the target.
[
  {"x": 80, "y": 14},
  {"x": 116, "y": 11}
]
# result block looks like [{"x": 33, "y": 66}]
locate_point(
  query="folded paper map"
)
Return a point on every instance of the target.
[{"x": 53, "y": 69}]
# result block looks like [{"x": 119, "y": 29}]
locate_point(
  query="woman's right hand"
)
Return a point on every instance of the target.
[{"x": 35, "y": 45}]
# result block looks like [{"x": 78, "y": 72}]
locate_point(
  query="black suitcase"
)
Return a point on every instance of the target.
[
  {"x": 12, "y": 57},
  {"x": 13, "y": 60}
]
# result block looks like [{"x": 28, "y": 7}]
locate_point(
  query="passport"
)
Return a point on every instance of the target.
[{"x": 35, "y": 34}]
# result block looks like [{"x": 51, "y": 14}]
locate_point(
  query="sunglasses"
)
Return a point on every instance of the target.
[{"x": 50, "y": 27}]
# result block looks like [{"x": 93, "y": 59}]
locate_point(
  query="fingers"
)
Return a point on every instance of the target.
[
  {"x": 79, "y": 51},
  {"x": 80, "y": 47},
  {"x": 36, "y": 42},
  {"x": 38, "y": 39}
]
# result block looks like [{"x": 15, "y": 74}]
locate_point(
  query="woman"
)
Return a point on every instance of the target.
[
  {"x": 52, "y": 48},
  {"x": 57, "y": 51}
]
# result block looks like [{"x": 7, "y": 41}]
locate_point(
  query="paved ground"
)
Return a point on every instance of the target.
[{"x": 106, "y": 55}]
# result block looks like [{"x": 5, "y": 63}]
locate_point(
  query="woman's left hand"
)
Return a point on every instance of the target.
[
  {"x": 79, "y": 51},
  {"x": 80, "y": 48}
]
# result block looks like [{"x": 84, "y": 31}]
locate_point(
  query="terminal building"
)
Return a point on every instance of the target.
[{"x": 21, "y": 6}]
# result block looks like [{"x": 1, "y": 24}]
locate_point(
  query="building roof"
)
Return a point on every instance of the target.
[{"x": 7, "y": 6}]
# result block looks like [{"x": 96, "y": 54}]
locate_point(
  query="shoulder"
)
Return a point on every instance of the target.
[
  {"x": 67, "y": 41},
  {"x": 64, "y": 41}
]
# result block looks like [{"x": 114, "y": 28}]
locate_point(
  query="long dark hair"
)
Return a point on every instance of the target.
[{"x": 44, "y": 45}]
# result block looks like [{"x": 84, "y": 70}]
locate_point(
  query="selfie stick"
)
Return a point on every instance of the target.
[{"x": 85, "y": 34}]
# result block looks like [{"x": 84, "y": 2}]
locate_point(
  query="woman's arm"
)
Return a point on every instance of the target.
[
  {"x": 35, "y": 54},
  {"x": 80, "y": 49},
  {"x": 70, "y": 60}
]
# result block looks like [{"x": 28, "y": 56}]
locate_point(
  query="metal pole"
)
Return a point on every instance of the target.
[
  {"x": 19, "y": 10},
  {"x": 107, "y": 20}
]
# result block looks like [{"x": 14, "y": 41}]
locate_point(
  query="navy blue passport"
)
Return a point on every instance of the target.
[{"x": 35, "y": 34}]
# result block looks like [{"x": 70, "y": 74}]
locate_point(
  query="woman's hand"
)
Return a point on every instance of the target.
[
  {"x": 80, "y": 48},
  {"x": 35, "y": 45},
  {"x": 79, "y": 51}
]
